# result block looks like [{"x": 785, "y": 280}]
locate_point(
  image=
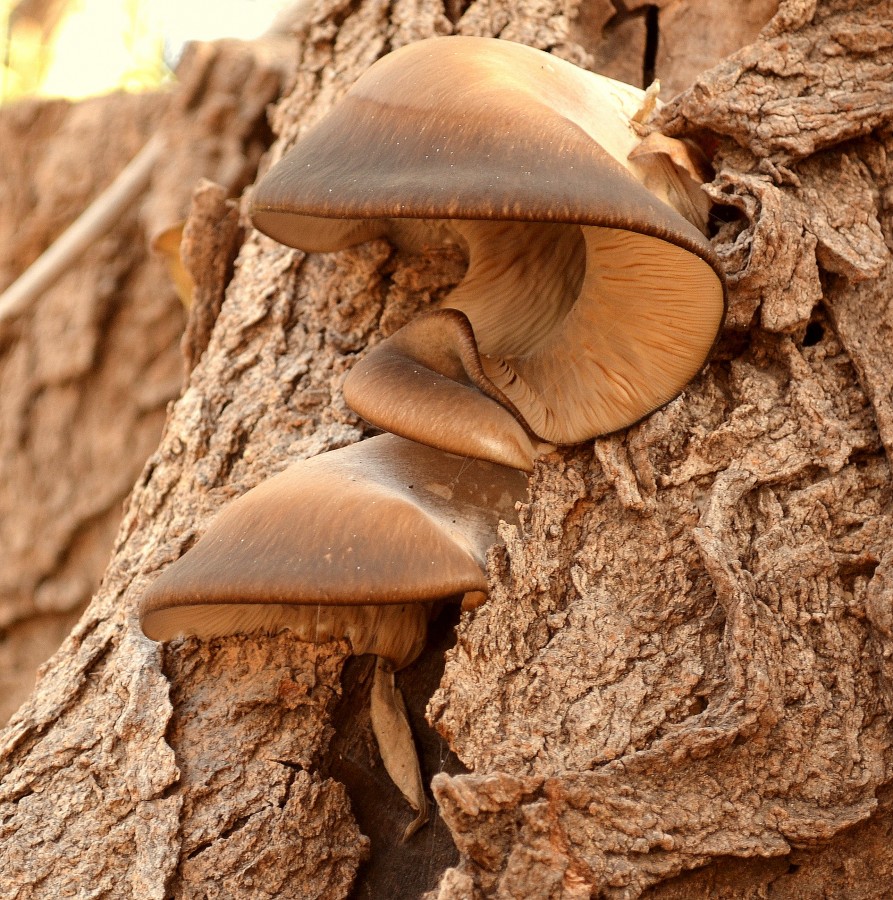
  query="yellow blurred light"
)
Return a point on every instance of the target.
[{"x": 101, "y": 45}]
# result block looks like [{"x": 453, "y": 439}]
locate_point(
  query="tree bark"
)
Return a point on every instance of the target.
[
  {"x": 89, "y": 363},
  {"x": 684, "y": 657}
]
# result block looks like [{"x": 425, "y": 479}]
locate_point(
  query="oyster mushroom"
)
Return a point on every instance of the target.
[
  {"x": 590, "y": 300},
  {"x": 359, "y": 543}
]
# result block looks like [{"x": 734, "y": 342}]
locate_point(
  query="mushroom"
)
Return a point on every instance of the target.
[
  {"x": 590, "y": 298},
  {"x": 360, "y": 543}
]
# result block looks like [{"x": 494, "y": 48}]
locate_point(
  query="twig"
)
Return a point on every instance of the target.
[{"x": 92, "y": 224}]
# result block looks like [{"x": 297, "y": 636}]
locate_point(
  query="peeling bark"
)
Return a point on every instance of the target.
[{"x": 685, "y": 653}]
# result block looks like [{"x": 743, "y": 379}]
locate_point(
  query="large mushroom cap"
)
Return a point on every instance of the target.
[
  {"x": 385, "y": 523},
  {"x": 592, "y": 299},
  {"x": 467, "y": 128}
]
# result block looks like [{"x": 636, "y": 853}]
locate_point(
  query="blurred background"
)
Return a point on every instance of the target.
[
  {"x": 90, "y": 360},
  {"x": 82, "y": 48}
]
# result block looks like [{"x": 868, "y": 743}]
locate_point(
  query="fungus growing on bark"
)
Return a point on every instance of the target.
[
  {"x": 590, "y": 298},
  {"x": 359, "y": 543}
]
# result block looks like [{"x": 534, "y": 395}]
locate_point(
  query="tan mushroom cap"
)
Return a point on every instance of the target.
[
  {"x": 378, "y": 529},
  {"x": 592, "y": 300},
  {"x": 467, "y": 128},
  {"x": 426, "y": 375}
]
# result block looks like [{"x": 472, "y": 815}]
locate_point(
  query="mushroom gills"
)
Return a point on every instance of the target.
[
  {"x": 640, "y": 328},
  {"x": 359, "y": 543},
  {"x": 395, "y": 631},
  {"x": 566, "y": 332}
]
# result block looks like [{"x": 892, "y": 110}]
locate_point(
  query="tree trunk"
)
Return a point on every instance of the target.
[{"x": 684, "y": 657}]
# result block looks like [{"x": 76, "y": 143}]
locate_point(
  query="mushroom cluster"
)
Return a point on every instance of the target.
[{"x": 590, "y": 299}]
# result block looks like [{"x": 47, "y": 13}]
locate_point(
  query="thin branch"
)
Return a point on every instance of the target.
[{"x": 91, "y": 225}]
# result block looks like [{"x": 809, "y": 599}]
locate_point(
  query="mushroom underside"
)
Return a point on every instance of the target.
[
  {"x": 394, "y": 631},
  {"x": 577, "y": 331}
]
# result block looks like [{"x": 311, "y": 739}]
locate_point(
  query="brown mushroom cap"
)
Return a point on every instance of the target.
[
  {"x": 466, "y": 128},
  {"x": 385, "y": 524},
  {"x": 592, "y": 300},
  {"x": 429, "y": 373}
]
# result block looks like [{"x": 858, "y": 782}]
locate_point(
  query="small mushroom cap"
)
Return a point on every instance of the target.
[
  {"x": 425, "y": 378},
  {"x": 467, "y": 128},
  {"x": 384, "y": 523}
]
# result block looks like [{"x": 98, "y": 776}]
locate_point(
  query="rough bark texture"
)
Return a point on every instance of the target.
[
  {"x": 725, "y": 563},
  {"x": 685, "y": 654}
]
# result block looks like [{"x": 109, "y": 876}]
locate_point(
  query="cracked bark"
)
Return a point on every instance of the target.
[{"x": 685, "y": 654}]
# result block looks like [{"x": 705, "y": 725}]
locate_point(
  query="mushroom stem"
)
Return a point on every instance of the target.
[{"x": 390, "y": 724}]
